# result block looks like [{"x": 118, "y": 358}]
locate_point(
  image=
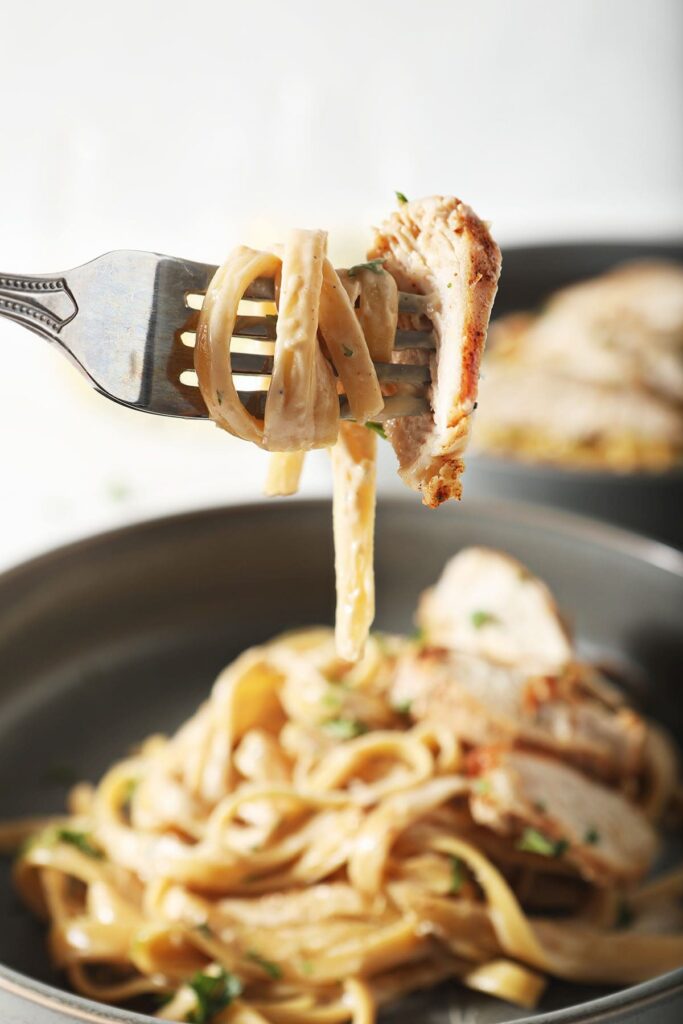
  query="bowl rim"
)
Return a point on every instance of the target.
[
  {"x": 620, "y": 539},
  {"x": 652, "y": 552}
]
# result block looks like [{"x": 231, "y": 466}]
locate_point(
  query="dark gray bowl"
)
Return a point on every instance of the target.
[
  {"x": 112, "y": 638},
  {"x": 649, "y": 502}
]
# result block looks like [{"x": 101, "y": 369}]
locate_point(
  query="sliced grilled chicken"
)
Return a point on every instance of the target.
[
  {"x": 439, "y": 248},
  {"x": 624, "y": 328},
  {"x": 555, "y": 811},
  {"x": 488, "y": 604},
  {"x": 530, "y": 410},
  {"x": 485, "y": 704},
  {"x": 595, "y": 379}
]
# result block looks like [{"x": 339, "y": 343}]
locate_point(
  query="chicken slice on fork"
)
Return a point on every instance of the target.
[{"x": 438, "y": 247}]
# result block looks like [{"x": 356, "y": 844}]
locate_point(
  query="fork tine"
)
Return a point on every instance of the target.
[
  {"x": 395, "y": 406},
  {"x": 262, "y": 289},
  {"x": 248, "y": 363},
  {"x": 263, "y": 328},
  {"x": 414, "y": 339},
  {"x": 260, "y": 328}
]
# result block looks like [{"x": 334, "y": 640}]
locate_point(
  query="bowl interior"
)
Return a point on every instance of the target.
[{"x": 111, "y": 639}]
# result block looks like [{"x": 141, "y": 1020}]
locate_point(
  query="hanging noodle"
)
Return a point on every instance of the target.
[
  {"x": 316, "y": 306},
  {"x": 301, "y": 852}
]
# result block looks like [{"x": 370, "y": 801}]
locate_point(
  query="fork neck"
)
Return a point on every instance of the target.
[{"x": 44, "y": 304}]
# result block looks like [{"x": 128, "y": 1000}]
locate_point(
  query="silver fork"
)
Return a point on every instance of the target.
[{"x": 127, "y": 321}]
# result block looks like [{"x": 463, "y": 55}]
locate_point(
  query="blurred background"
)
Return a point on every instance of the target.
[{"x": 188, "y": 128}]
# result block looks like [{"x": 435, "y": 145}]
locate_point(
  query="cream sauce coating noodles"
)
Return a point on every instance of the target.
[
  {"x": 316, "y": 309},
  {"x": 303, "y": 851}
]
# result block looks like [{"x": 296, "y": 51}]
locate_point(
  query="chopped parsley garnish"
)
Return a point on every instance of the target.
[
  {"x": 592, "y": 836},
  {"x": 540, "y": 806},
  {"x": 348, "y": 352},
  {"x": 378, "y": 429},
  {"x": 272, "y": 969},
  {"x": 533, "y": 841},
  {"x": 481, "y": 618},
  {"x": 205, "y": 930},
  {"x": 482, "y": 786},
  {"x": 306, "y": 967},
  {"x": 375, "y": 266},
  {"x": 332, "y": 700},
  {"x": 625, "y": 916},
  {"x": 401, "y": 198},
  {"x": 213, "y": 992},
  {"x": 450, "y": 284},
  {"x": 128, "y": 793},
  {"x": 403, "y": 707},
  {"x": 345, "y": 728},
  {"x": 458, "y": 874},
  {"x": 78, "y": 839}
]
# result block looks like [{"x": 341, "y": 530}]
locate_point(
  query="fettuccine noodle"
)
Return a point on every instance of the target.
[
  {"x": 316, "y": 306},
  {"x": 300, "y": 852}
]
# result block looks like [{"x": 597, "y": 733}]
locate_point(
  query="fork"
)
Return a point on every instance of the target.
[{"x": 127, "y": 320}]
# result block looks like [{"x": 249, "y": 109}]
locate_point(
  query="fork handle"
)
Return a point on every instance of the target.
[{"x": 42, "y": 304}]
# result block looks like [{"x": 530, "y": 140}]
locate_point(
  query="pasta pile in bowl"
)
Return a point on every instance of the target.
[{"x": 320, "y": 837}]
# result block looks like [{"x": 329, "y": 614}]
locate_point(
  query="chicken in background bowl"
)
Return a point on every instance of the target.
[
  {"x": 646, "y": 500},
  {"x": 594, "y": 379}
]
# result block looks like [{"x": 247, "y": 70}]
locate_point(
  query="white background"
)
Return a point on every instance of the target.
[{"x": 186, "y": 127}]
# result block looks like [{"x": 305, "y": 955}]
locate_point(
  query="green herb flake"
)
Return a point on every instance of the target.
[
  {"x": 450, "y": 284},
  {"x": 533, "y": 841},
  {"x": 482, "y": 787},
  {"x": 378, "y": 429},
  {"x": 348, "y": 352},
  {"x": 306, "y": 967},
  {"x": 128, "y": 794},
  {"x": 592, "y": 836},
  {"x": 273, "y": 970},
  {"x": 419, "y": 637},
  {"x": 481, "y": 618},
  {"x": 332, "y": 700},
  {"x": 213, "y": 992},
  {"x": 540, "y": 806},
  {"x": 625, "y": 915},
  {"x": 458, "y": 874},
  {"x": 345, "y": 728},
  {"x": 402, "y": 199},
  {"x": 403, "y": 707},
  {"x": 374, "y": 266},
  {"x": 80, "y": 840},
  {"x": 205, "y": 930}
]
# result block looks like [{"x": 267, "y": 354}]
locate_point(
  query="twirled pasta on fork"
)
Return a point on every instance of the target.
[{"x": 333, "y": 328}]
